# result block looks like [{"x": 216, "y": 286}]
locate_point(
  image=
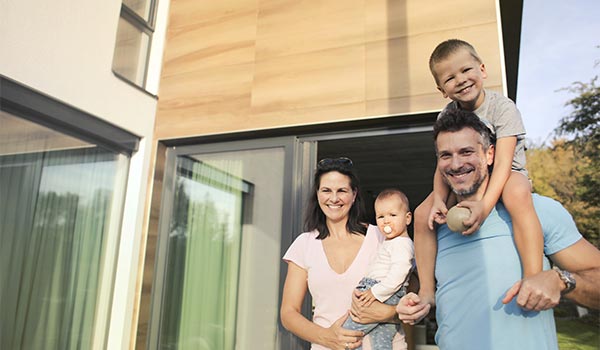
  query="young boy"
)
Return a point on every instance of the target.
[
  {"x": 387, "y": 276},
  {"x": 459, "y": 73}
]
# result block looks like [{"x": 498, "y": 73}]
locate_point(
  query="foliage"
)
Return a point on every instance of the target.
[
  {"x": 575, "y": 334},
  {"x": 556, "y": 172},
  {"x": 583, "y": 125}
]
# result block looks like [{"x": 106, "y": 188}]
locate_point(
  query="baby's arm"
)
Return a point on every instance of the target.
[{"x": 505, "y": 150}]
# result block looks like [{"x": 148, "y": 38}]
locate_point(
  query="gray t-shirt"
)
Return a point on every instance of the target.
[{"x": 502, "y": 117}]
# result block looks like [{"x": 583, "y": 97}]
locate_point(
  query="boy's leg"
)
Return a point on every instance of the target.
[
  {"x": 527, "y": 229},
  {"x": 425, "y": 249}
]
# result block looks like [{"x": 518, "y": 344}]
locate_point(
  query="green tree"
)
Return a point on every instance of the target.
[
  {"x": 582, "y": 126},
  {"x": 555, "y": 172}
]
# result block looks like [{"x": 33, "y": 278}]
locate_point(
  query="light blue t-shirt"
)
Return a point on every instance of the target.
[{"x": 474, "y": 272}]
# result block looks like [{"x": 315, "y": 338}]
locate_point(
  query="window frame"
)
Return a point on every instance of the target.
[
  {"x": 145, "y": 27},
  {"x": 39, "y": 108}
]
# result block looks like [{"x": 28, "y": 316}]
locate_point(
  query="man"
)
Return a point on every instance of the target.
[{"x": 478, "y": 275}]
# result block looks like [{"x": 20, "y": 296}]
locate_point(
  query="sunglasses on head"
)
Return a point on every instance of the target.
[{"x": 341, "y": 161}]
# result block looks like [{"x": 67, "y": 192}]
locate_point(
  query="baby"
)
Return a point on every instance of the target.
[{"x": 387, "y": 276}]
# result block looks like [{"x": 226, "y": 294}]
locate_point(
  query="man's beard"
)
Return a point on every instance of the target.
[{"x": 468, "y": 191}]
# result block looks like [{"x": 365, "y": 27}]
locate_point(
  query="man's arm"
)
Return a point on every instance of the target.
[
  {"x": 542, "y": 291},
  {"x": 582, "y": 260}
]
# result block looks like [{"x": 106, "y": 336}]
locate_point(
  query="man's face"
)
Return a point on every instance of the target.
[{"x": 463, "y": 162}]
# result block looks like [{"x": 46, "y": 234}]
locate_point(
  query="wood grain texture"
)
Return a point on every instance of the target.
[{"x": 239, "y": 65}]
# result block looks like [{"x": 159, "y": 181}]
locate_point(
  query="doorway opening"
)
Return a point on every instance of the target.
[{"x": 402, "y": 160}]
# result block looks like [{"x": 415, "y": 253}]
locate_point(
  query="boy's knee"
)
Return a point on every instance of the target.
[{"x": 517, "y": 189}]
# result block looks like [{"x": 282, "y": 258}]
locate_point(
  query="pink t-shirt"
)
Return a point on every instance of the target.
[{"x": 332, "y": 292}]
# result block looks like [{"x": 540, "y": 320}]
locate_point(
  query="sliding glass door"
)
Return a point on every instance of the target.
[
  {"x": 60, "y": 212},
  {"x": 217, "y": 281}
]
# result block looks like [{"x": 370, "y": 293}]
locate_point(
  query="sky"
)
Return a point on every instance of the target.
[{"x": 559, "y": 46}]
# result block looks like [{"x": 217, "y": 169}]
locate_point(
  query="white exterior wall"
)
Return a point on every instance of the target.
[{"x": 64, "y": 49}]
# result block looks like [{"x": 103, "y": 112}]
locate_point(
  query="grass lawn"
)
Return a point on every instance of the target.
[{"x": 576, "y": 334}]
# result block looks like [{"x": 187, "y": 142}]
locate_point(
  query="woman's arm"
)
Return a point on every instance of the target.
[
  {"x": 294, "y": 290},
  {"x": 377, "y": 312}
]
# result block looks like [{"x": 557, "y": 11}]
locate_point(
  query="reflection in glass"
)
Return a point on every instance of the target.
[
  {"x": 131, "y": 52},
  {"x": 141, "y": 7},
  {"x": 222, "y": 267},
  {"x": 61, "y": 198}
]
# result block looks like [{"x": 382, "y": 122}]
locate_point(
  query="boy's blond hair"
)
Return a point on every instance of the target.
[{"x": 445, "y": 49}]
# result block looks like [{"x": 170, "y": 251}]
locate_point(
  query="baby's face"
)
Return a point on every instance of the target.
[
  {"x": 392, "y": 216},
  {"x": 460, "y": 77}
]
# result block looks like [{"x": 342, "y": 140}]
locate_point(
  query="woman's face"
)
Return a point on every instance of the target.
[{"x": 335, "y": 196}]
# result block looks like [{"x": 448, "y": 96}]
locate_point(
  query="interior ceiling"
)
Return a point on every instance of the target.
[{"x": 405, "y": 161}]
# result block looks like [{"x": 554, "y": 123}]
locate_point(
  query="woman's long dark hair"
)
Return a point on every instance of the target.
[{"x": 315, "y": 219}]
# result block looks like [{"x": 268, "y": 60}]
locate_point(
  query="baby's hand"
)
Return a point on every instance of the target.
[
  {"x": 437, "y": 213},
  {"x": 366, "y": 298},
  {"x": 478, "y": 215}
]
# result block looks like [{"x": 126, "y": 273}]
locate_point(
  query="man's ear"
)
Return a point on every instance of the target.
[{"x": 491, "y": 151}]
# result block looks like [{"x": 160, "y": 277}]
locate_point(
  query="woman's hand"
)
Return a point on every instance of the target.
[
  {"x": 366, "y": 298},
  {"x": 338, "y": 338},
  {"x": 377, "y": 312}
]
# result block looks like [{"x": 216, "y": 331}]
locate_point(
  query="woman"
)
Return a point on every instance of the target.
[{"x": 329, "y": 260}]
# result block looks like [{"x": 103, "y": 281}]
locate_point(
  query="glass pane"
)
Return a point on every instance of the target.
[
  {"x": 141, "y": 7},
  {"x": 222, "y": 276},
  {"x": 131, "y": 52},
  {"x": 60, "y": 207}
]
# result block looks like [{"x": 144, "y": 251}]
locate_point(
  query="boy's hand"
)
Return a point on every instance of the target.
[
  {"x": 437, "y": 213},
  {"x": 366, "y": 298},
  {"x": 478, "y": 215}
]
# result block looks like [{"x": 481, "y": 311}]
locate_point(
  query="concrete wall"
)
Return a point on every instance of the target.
[{"x": 64, "y": 49}]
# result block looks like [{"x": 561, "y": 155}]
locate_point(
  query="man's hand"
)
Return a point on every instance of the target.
[
  {"x": 538, "y": 292},
  {"x": 478, "y": 215},
  {"x": 437, "y": 213},
  {"x": 411, "y": 309}
]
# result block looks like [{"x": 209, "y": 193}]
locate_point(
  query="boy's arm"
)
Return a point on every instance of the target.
[
  {"x": 440, "y": 196},
  {"x": 504, "y": 154}
]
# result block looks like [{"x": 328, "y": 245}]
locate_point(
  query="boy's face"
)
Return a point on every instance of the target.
[
  {"x": 392, "y": 216},
  {"x": 460, "y": 77}
]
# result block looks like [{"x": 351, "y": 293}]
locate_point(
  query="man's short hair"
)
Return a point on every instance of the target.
[{"x": 453, "y": 120}]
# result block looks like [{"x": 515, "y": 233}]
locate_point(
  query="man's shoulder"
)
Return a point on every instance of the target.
[{"x": 546, "y": 202}]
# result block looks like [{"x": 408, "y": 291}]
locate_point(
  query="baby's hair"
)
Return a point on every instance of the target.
[
  {"x": 389, "y": 192},
  {"x": 448, "y": 47}
]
